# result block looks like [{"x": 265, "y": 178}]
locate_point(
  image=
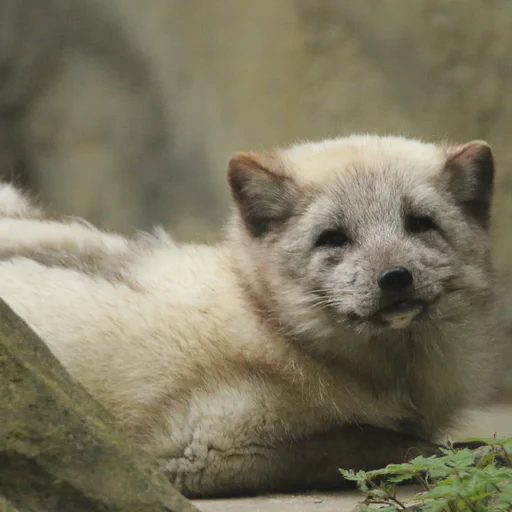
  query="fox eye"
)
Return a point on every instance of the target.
[
  {"x": 420, "y": 223},
  {"x": 332, "y": 238}
]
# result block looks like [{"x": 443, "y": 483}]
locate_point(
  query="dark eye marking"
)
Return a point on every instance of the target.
[
  {"x": 420, "y": 224},
  {"x": 332, "y": 238}
]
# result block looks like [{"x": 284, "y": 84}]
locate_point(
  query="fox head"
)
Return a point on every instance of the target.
[{"x": 364, "y": 234}]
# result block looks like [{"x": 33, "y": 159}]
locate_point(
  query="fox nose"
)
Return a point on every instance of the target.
[{"x": 394, "y": 279}]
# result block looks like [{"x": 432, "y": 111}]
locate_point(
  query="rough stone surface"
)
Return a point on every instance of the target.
[{"x": 59, "y": 450}]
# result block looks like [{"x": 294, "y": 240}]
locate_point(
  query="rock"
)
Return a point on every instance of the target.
[{"x": 59, "y": 449}]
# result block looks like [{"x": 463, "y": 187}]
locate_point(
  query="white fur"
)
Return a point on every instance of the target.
[{"x": 174, "y": 347}]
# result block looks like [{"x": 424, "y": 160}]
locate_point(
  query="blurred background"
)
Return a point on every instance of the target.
[{"x": 125, "y": 112}]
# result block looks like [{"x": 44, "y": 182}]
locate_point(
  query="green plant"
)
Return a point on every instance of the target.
[{"x": 474, "y": 475}]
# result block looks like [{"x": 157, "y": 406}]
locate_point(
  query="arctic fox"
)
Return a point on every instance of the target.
[{"x": 346, "y": 321}]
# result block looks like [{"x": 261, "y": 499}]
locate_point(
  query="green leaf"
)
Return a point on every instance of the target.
[{"x": 481, "y": 476}]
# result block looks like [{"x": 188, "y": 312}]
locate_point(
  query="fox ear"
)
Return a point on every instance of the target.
[
  {"x": 263, "y": 194},
  {"x": 470, "y": 169}
]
